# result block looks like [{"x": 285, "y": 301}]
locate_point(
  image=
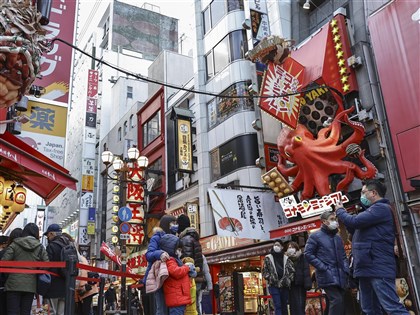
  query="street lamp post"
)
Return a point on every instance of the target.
[{"x": 121, "y": 168}]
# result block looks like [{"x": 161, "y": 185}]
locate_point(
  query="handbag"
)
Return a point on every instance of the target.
[{"x": 43, "y": 280}]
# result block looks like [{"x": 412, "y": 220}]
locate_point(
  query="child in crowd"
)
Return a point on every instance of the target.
[
  {"x": 191, "y": 308},
  {"x": 177, "y": 286}
]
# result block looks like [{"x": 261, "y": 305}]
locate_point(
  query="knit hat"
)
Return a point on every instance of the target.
[
  {"x": 183, "y": 223},
  {"x": 165, "y": 221},
  {"x": 3, "y": 239}
]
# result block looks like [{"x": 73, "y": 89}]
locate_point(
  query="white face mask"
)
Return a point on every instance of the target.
[
  {"x": 333, "y": 225},
  {"x": 178, "y": 253},
  {"x": 291, "y": 251},
  {"x": 277, "y": 249}
]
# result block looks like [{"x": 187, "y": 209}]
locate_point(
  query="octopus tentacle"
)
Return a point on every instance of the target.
[{"x": 371, "y": 169}]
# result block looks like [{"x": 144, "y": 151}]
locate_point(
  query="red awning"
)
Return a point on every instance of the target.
[
  {"x": 296, "y": 227},
  {"x": 34, "y": 170}
]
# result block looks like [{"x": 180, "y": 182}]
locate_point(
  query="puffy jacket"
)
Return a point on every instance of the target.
[
  {"x": 325, "y": 251},
  {"x": 26, "y": 248},
  {"x": 58, "y": 284},
  {"x": 302, "y": 273},
  {"x": 270, "y": 273},
  {"x": 177, "y": 287},
  {"x": 81, "y": 284},
  {"x": 373, "y": 240},
  {"x": 191, "y": 247},
  {"x": 156, "y": 276},
  {"x": 153, "y": 252}
]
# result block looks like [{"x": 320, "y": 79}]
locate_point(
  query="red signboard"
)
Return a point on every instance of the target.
[
  {"x": 55, "y": 65},
  {"x": 395, "y": 39},
  {"x": 296, "y": 227}
]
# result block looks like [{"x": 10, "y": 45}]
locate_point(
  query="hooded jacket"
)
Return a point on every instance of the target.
[
  {"x": 153, "y": 251},
  {"x": 26, "y": 248},
  {"x": 191, "y": 247},
  {"x": 270, "y": 271},
  {"x": 325, "y": 251},
  {"x": 177, "y": 286}
]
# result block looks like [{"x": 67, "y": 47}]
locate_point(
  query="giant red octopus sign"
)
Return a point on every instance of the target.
[{"x": 312, "y": 145}]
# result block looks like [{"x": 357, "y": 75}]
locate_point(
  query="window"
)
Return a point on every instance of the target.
[
  {"x": 129, "y": 92},
  {"x": 125, "y": 127},
  {"x": 156, "y": 166},
  {"x": 132, "y": 121},
  {"x": 217, "y": 10},
  {"x": 230, "y": 48},
  {"x": 119, "y": 134},
  {"x": 151, "y": 129},
  {"x": 221, "y": 108}
]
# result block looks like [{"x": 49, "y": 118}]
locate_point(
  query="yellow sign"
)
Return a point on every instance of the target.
[
  {"x": 184, "y": 145},
  {"x": 87, "y": 182},
  {"x": 91, "y": 228},
  {"x": 46, "y": 119}
]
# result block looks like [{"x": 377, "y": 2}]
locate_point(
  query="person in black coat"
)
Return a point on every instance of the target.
[
  {"x": 301, "y": 281},
  {"x": 3, "y": 277}
]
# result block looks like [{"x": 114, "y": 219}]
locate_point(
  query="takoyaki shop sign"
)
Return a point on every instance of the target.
[
  {"x": 245, "y": 214},
  {"x": 312, "y": 207}
]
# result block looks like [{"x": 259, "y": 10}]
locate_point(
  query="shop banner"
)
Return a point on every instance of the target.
[
  {"x": 245, "y": 214},
  {"x": 184, "y": 142}
]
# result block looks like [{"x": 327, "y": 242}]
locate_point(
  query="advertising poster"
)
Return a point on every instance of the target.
[
  {"x": 245, "y": 214},
  {"x": 46, "y": 130},
  {"x": 227, "y": 303}
]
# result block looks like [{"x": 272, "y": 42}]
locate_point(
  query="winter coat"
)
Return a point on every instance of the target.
[
  {"x": 177, "y": 287},
  {"x": 302, "y": 276},
  {"x": 325, "y": 251},
  {"x": 270, "y": 273},
  {"x": 156, "y": 276},
  {"x": 191, "y": 309},
  {"x": 208, "y": 284},
  {"x": 373, "y": 240},
  {"x": 83, "y": 288},
  {"x": 153, "y": 252},
  {"x": 191, "y": 247},
  {"x": 58, "y": 284},
  {"x": 26, "y": 248}
]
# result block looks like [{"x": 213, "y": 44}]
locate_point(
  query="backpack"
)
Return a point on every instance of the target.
[{"x": 67, "y": 250}]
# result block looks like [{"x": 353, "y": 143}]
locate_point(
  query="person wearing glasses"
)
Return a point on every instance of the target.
[{"x": 373, "y": 250}]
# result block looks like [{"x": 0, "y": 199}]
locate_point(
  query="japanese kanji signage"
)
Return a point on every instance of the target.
[
  {"x": 185, "y": 162},
  {"x": 245, "y": 214},
  {"x": 46, "y": 130},
  {"x": 309, "y": 208},
  {"x": 56, "y": 65},
  {"x": 259, "y": 19},
  {"x": 278, "y": 85},
  {"x": 92, "y": 98}
]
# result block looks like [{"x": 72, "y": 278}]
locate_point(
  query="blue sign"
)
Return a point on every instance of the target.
[
  {"x": 125, "y": 214},
  {"x": 125, "y": 227}
]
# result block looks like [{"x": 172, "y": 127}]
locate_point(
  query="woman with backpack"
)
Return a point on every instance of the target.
[{"x": 21, "y": 287}]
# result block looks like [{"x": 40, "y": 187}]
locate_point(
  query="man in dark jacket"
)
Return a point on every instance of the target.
[
  {"x": 373, "y": 250},
  {"x": 325, "y": 251},
  {"x": 191, "y": 247},
  {"x": 57, "y": 291},
  {"x": 3, "y": 311}
]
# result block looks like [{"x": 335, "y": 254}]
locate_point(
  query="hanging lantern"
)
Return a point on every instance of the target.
[
  {"x": 7, "y": 211},
  {"x": 2, "y": 180},
  {"x": 8, "y": 193},
  {"x": 20, "y": 199}
]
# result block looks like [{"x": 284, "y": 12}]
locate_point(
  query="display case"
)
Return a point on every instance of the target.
[{"x": 252, "y": 288}]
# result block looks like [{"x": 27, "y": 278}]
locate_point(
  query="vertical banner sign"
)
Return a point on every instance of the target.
[
  {"x": 135, "y": 202},
  {"x": 192, "y": 212},
  {"x": 56, "y": 65},
  {"x": 91, "y": 221},
  {"x": 92, "y": 99},
  {"x": 46, "y": 130},
  {"x": 259, "y": 20},
  {"x": 39, "y": 221},
  {"x": 184, "y": 135}
]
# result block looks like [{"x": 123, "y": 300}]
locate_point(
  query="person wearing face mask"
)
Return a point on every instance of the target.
[
  {"x": 301, "y": 281},
  {"x": 177, "y": 286},
  {"x": 278, "y": 270},
  {"x": 373, "y": 250},
  {"x": 325, "y": 251}
]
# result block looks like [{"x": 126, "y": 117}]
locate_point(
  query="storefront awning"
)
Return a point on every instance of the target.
[
  {"x": 32, "y": 169},
  {"x": 296, "y": 227},
  {"x": 241, "y": 253}
]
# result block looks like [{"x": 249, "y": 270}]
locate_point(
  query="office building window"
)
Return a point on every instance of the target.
[
  {"x": 129, "y": 92},
  {"x": 125, "y": 127},
  {"x": 217, "y": 9},
  {"x": 132, "y": 124},
  {"x": 231, "y": 48},
  {"x": 119, "y": 134},
  {"x": 151, "y": 129},
  {"x": 221, "y": 108}
]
